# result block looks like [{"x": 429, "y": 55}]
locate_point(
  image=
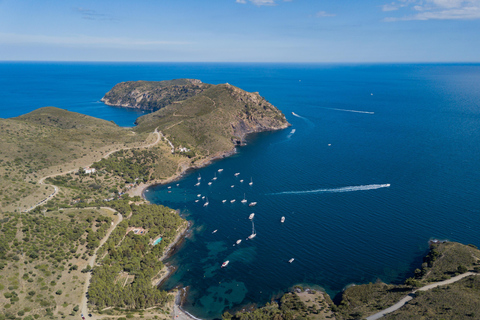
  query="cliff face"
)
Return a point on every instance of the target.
[
  {"x": 153, "y": 95},
  {"x": 215, "y": 120}
]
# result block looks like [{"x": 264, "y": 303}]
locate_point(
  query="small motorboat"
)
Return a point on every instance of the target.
[
  {"x": 251, "y": 216},
  {"x": 223, "y": 201},
  {"x": 214, "y": 231},
  {"x": 225, "y": 264},
  {"x": 282, "y": 220},
  {"x": 232, "y": 201},
  {"x": 291, "y": 260},
  {"x": 252, "y": 204},
  {"x": 236, "y": 174}
]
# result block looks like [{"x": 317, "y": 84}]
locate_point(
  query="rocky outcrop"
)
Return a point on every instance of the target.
[{"x": 153, "y": 95}]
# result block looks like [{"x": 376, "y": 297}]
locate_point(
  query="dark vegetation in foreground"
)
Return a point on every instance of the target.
[
  {"x": 135, "y": 255},
  {"x": 460, "y": 300}
]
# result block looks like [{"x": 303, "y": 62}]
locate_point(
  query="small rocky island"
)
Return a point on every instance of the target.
[{"x": 153, "y": 95}]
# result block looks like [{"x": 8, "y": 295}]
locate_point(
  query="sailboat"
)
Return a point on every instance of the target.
[
  {"x": 252, "y": 204},
  {"x": 244, "y": 200},
  {"x": 253, "y": 232},
  {"x": 251, "y": 181}
]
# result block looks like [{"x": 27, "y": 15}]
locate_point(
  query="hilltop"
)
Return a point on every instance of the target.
[
  {"x": 152, "y": 95},
  {"x": 215, "y": 120}
]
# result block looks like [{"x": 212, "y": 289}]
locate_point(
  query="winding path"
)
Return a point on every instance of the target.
[
  {"x": 91, "y": 262},
  {"x": 410, "y": 296},
  {"x": 42, "y": 180}
]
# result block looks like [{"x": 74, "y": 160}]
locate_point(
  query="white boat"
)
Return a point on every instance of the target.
[
  {"x": 282, "y": 220},
  {"x": 215, "y": 177},
  {"x": 203, "y": 197},
  {"x": 199, "y": 195},
  {"x": 291, "y": 260},
  {"x": 206, "y": 203},
  {"x": 199, "y": 177},
  {"x": 197, "y": 184},
  {"x": 241, "y": 181},
  {"x": 214, "y": 231},
  {"x": 251, "y": 216},
  {"x": 251, "y": 182},
  {"x": 232, "y": 201},
  {"x": 232, "y": 186},
  {"x": 244, "y": 200},
  {"x": 220, "y": 170},
  {"x": 252, "y": 204},
  {"x": 178, "y": 184},
  {"x": 209, "y": 183},
  {"x": 223, "y": 201},
  {"x": 170, "y": 187},
  {"x": 236, "y": 174},
  {"x": 253, "y": 235},
  {"x": 196, "y": 200},
  {"x": 238, "y": 241},
  {"x": 225, "y": 264}
]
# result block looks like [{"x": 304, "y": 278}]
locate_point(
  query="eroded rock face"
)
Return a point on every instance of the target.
[
  {"x": 153, "y": 95},
  {"x": 212, "y": 121}
]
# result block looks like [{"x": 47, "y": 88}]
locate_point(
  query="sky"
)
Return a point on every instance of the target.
[{"x": 292, "y": 31}]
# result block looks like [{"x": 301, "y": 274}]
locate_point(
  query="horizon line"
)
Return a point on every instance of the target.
[{"x": 244, "y": 62}]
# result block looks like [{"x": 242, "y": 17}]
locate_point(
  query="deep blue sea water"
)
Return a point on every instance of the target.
[{"x": 358, "y": 129}]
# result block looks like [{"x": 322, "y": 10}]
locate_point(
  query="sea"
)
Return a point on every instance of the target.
[{"x": 379, "y": 159}]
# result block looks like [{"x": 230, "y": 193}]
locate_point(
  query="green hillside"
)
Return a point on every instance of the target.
[{"x": 215, "y": 120}]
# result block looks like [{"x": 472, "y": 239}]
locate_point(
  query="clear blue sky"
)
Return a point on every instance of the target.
[{"x": 241, "y": 30}]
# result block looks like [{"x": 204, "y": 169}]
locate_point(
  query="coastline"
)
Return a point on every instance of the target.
[{"x": 140, "y": 189}]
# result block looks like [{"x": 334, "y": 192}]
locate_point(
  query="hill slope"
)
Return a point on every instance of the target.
[{"x": 214, "y": 120}]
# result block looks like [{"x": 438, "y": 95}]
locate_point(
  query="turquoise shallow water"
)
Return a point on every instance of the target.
[{"x": 383, "y": 158}]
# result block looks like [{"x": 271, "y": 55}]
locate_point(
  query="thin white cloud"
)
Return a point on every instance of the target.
[
  {"x": 81, "y": 40},
  {"x": 322, "y": 14},
  {"x": 89, "y": 14},
  {"x": 261, "y": 2},
  {"x": 434, "y": 10}
]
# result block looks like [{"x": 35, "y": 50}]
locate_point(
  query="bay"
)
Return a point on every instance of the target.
[{"x": 382, "y": 159}]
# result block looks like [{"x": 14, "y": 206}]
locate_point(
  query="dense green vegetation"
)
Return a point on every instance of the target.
[
  {"x": 40, "y": 257},
  {"x": 45, "y": 138},
  {"x": 134, "y": 254}
]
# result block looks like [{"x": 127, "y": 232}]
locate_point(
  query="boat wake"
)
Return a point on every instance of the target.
[
  {"x": 296, "y": 115},
  {"x": 347, "y": 110},
  {"x": 343, "y": 189},
  {"x": 291, "y": 134}
]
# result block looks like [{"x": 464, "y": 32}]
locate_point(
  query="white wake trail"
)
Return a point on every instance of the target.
[
  {"x": 347, "y": 110},
  {"x": 343, "y": 189}
]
